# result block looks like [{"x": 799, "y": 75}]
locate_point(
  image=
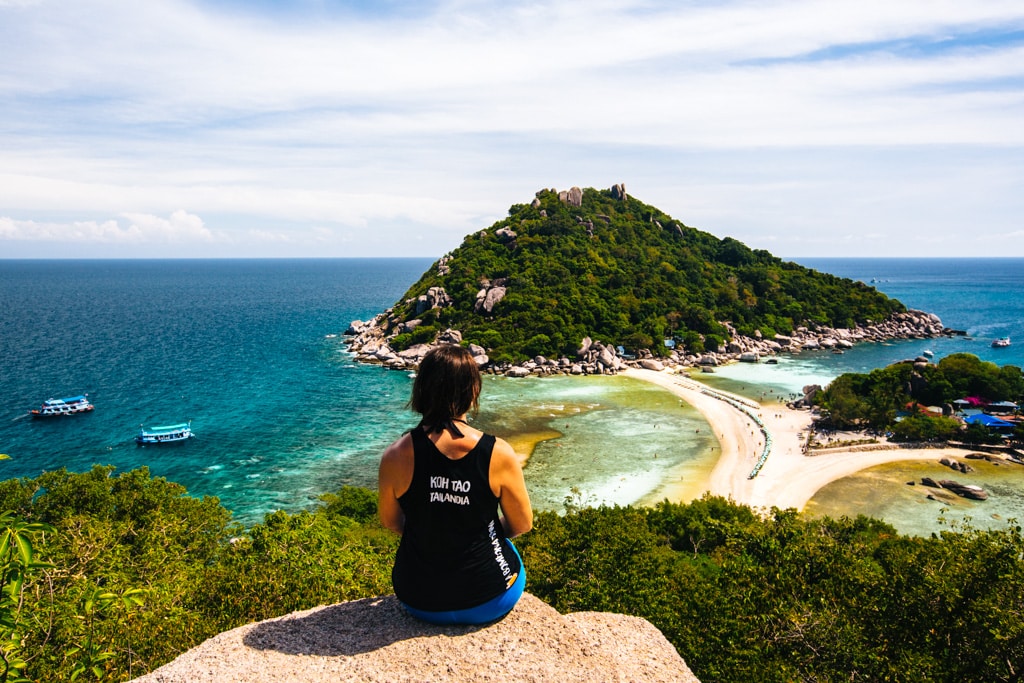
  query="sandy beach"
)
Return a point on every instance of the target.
[{"x": 787, "y": 478}]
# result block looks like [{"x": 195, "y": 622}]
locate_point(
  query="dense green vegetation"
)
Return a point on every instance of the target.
[
  {"x": 118, "y": 541},
  {"x": 625, "y": 273},
  {"x": 874, "y": 400},
  {"x": 137, "y": 572}
]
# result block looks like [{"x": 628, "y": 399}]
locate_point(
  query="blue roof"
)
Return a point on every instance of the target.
[{"x": 988, "y": 421}]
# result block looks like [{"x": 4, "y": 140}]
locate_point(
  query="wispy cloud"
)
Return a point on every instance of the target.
[
  {"x": 369, "y": 128},
  {"x": 136, "y": 228}
]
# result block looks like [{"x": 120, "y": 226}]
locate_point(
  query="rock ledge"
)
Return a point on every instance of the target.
[{"x": 375, "y": 640}]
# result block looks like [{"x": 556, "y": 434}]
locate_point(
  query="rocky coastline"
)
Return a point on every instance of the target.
[{"x": 370, "y": 343}]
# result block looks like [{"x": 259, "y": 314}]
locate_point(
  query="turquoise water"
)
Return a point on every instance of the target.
[
  {"x": 249, "y": 351},
  {"x": 241, "y": 348},
  {"x": 615, "y": 440}
]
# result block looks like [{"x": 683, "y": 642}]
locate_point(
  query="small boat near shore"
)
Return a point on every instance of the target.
[
  {"x": 165, "y": 434},
  {"x": 1001, "y": 343},
  {"x": 55, "y": 407}
]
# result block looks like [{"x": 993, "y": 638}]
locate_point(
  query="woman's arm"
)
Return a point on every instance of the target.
[
  {"x": 508, "y": 485},
  {"x": 393, "y": 479}
]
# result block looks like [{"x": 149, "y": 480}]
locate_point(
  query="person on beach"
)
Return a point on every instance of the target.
[{"x": 441, "y": 486}]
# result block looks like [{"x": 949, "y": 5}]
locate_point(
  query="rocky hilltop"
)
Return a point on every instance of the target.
[
  {"x": 374, "y": 639},
  {"x": 589, "y": 282}
]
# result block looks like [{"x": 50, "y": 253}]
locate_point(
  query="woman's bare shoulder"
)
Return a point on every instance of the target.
[
  {"x": 399, "y": 451},
  {"x": 504, "y": 454}
]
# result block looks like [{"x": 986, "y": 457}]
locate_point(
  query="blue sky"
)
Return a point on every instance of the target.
[{"x": 170, "y": 128}]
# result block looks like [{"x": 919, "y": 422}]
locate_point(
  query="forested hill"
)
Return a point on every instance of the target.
[{"x": 602, "y": 264}]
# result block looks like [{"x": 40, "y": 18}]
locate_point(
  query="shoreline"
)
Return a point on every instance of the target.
[{"x": 787, "y": 477}]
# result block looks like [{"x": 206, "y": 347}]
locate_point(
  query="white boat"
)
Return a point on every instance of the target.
[
  {"x": 1001, "y": 343},
  {"x": 927, "y": 353},
  {"x": 54, "y": 407},
  {"x": 165, "y": 434}
]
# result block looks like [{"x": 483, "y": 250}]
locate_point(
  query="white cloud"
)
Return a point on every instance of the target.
[
  {"x": 137, "y": 228},
  {"x": 385, "y": 128},
  {"x": 181, "y": 226}
]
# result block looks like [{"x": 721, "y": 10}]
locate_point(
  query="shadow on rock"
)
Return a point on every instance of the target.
[{"x": 349, "y": 628}]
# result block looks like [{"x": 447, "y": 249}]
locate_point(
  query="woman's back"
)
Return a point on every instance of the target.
[
  {"x": 451, "y": 555},
  {"x": 441, "y": 487}
]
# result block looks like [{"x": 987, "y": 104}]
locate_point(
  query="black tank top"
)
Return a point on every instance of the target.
[{"x": 453, "y": 553}]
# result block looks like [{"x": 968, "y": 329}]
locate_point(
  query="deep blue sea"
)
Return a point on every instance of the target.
[
  {"x": 242, "y": 348},
  {"x": 250, "y": 351},
  {"x": 983, "y": 297}
]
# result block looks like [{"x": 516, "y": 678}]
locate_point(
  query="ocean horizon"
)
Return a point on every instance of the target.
[{"x": 250, "y": 351}]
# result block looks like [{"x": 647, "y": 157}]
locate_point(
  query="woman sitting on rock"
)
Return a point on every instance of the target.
[{"x": 441, "y": 486}]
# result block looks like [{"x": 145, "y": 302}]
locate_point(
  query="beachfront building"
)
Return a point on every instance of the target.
[
  {"x": 1001, "y": 408},
  {"x": 994, "y": 423}
]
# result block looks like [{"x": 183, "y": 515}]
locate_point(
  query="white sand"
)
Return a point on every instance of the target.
[{"x": 788, "y": 478}]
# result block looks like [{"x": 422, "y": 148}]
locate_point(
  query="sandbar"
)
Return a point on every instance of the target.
[{"x": 788, "y": 478}]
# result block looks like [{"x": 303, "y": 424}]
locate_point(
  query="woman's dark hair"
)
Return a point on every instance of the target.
[{"x": 447, "y": 385}]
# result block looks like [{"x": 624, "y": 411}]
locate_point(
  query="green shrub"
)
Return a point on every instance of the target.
[{"x": 400, "y": 342}]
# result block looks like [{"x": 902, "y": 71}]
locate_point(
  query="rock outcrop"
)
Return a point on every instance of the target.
[
  {"x": 376, "y": 640},
  {"x": 490, "y": 296},
  {"x": 369, "y": 342},
  {"x": 506, "y": 235},
  {"x": 963, "y": 490},
  {"x": 573, "y": 196},
  {"x": 956, "y": 465},
  {"x": 435, "y": 297}
]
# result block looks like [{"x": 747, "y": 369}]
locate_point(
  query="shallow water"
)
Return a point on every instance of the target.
[
  {"x": 884, "y": 492},
  {"x": 599, "y": 440}
]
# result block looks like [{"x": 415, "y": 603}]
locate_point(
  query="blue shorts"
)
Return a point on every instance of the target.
[{"x": 492, "y": 610}]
